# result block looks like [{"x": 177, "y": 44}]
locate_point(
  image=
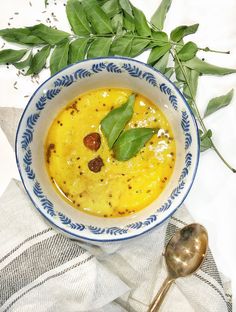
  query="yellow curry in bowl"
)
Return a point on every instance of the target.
[{"x": 85, "y": 171}]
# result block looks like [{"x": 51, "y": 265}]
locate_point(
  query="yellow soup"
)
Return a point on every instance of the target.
[{"x": 120, "y": 188}]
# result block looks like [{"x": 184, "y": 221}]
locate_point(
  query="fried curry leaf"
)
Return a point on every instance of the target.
[
  {"x": 114, "y": 123},
  {"x": 130, "y": 142}
]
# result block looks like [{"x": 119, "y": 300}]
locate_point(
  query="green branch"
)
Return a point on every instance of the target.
[{"x": 197, "y": 113}]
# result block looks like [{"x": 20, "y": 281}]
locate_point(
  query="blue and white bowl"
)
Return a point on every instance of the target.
[{"x": 55, "y": 93}]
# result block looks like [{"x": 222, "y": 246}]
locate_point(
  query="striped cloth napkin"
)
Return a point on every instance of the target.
[{"x": 43, "y": 270}]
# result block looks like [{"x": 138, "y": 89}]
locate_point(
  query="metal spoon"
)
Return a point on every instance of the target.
[{"x": 184, "y": 255}]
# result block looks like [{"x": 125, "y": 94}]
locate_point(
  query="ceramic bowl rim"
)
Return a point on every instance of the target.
[{"x": 186, "y": 192}]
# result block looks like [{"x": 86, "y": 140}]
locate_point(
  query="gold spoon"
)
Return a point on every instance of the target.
[{"x": 184, "y": 255}]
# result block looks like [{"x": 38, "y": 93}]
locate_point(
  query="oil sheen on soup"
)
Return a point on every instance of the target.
[{"x": 119, "y": 188}]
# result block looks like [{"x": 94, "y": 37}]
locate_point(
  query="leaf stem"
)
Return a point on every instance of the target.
[
  {"x": 206, "y": 49},
  {"x": 154, "y": 27},
  {"x": 114, "y": 36},
  {"x": 214, "y": 51},
  {"x": 198, "y": 115}
]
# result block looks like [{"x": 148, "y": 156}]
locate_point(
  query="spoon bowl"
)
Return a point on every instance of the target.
[
  {"x": 184, "y": 255},
  {"x": 186, "y": 250}
]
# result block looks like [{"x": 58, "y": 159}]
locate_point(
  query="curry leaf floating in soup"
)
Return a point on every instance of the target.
[{"x": 85, "y": 171}]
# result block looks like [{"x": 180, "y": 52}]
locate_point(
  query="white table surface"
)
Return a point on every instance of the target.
[{"x": 212, "y": 200}]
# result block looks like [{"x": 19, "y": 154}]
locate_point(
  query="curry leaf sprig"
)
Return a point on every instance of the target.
[
  {"x": 124, "y": 143},
  {"x": 131, "y": 141},
  {"x": 114, "y": 122},
  {"x": 116, "y": 27}
]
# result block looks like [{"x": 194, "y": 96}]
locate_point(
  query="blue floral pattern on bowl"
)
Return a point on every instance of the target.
[{"x": 65, "y": 79}]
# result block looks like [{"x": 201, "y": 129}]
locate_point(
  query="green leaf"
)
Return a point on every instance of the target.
[
  {"x": 117, "y": 23},
  {"x": 77, "y": 17},
  {"x": 191, "y": 104},
  {"x": 138, "y": 46},
  {"x": 111, "y": 7},
  {"x": 59, "y": 58},
  {"x": 78, "y": 49},
  {"x": 126, "y": 6},
  {"x": 21, "y": 36},
  {"x": 122, "y": 46},
  {"x": 131, "y": 142},
  {"x": 205, "y": 141},
  {"x": 102, "y": 2},
  {"x": 208, "y": 69},
  {"x": 141, "y": 24},
  {"x": 160, "y": 38},
  {"x": 114, "y": 123},
  {"x": 25, "y": 63},
  {"x": 129, "y": 24},
  {"x": 48, "y": 34},
  {"x": 188, "y": 51},
  {"x": 208, "y": 134},
  {"x": 179, "y": 84},
  {"x": 159, "y": 16},
  {"x": 97, "y": 17},
  {"x": 157, "y": 53},
  {"x": 218, "y": 103},
  {"x": 180, "y": 32},
  {"x": 169, "y": 72},
  {"x": 11, "y": 56},
  {"x": 179, "y": 46},
  {"x": 162, "y": 63},
  {"x": 178, "y": 72},
  {"x": 39, "y": 61},
  {"x": 192, "y": 76},
  {"x": 99, "y": 47}
]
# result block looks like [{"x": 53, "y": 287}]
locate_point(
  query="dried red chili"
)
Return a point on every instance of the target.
[
  {"x": 92, "y": 141},
  {"x": 96, "y": 164}
]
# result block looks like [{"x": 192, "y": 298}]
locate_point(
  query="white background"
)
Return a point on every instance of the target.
[{"x": 212, "y": 200}]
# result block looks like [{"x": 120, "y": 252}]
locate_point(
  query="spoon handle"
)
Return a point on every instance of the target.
[{"x": 156, "y": 303}]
